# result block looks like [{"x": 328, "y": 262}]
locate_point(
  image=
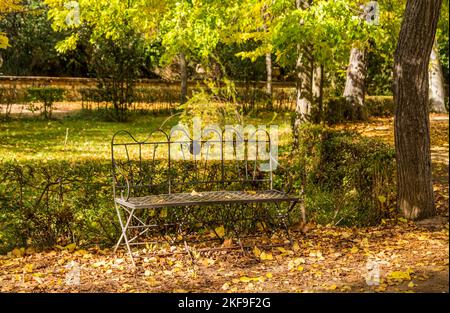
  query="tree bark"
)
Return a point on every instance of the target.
[
  {"x": 183, "y": 78},
  {"x": 355, "y": 83},
  {"x": 269, "y": 74},
  {"x": 415, "y": 197},
  {"x": 303, "y": 84},
  {"x": 436, "y": 82},
  {"x": 317, "y": 90}
]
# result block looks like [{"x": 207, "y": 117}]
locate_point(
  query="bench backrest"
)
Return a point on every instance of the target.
[{"x": 174, "y": 162}]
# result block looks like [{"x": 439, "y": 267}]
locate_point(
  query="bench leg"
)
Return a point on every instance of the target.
[
  {"x": 283, "y": 218},
  {"x": 124, "y": 236}
]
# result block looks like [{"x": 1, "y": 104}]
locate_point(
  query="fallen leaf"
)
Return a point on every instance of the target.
[
  {"x": 265, "y": 256},
  {"x": 70, "y": 247},
  {"x": 220, "y": 231},
  {"x": 256, "y": 252}
]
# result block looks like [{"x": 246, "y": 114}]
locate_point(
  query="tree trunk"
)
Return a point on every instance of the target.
[
  {"x": 317, "y": 90},
  {"x": 303, "y": 95},
  {"x": 269, "y": 73},
  {"x": 355, "y": 84},
  {"x": 183, "y": 77},
  {"x": 415, "y": 197},
  {"x": 436, "y": 82},
  {"x": 303, "y": 84}
]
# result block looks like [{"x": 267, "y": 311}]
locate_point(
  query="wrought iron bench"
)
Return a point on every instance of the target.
[{"x": 182, "y": 173}]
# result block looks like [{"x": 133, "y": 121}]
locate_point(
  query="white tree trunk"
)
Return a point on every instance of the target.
[
  {"x": 317, "y": 89},
  {"x": 355, "y": 84},
  {"x": 303, "y": 96},
  {"x": 436, "y": 91},
  {"x": 269, "y": 73}
]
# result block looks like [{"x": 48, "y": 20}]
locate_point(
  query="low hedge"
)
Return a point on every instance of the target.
[
  {"x": 347, "y": 179},
  {"x": 338, "y": 109}
]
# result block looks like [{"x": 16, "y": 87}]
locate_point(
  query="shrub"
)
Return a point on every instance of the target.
[
  {"x": 339, "y": 110},
  {"x": 380, "y": 106},
  {"x": 47, "y": 203},
  {"x": 45, "y": 96},
  {"x": 43, "y": 204},
  {"x": 347, "y": 179}
]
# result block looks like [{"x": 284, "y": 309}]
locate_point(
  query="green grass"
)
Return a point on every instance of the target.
[{"x": 32, "y": 139}]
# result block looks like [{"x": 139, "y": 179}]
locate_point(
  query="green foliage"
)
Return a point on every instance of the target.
[
  {"x": 347, "y": 179},
  {"x": 48, "y": 203},
  {"x": 380, "y": 106},
  {"x": 442, "y": 37},
  {"x": 32, "y": 50},
  {"x": 338, "y": 110},
  {"x": 42, "y": 99},
  {"x": 7, "y": 6},
  {"x": 117, "y": 64}
]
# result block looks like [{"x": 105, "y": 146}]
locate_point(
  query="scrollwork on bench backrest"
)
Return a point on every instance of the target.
[{"x": 176, "y": 162}]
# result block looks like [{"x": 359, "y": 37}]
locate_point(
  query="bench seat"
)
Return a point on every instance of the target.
[{"x": 205, "y": 198}]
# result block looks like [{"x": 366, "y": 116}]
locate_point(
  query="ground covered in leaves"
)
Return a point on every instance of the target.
[
  {"x": 396, "y": 256},
  {"x": 409, "y": 257}
]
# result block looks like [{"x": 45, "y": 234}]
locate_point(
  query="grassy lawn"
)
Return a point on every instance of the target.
[{"x": 35, "y": 139}]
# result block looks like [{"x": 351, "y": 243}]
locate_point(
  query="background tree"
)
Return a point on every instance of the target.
[
  {"x": 436, "y": 91},
  {"x": 7, "y": 6},
  {"x": 119, "y": 33},
  {"x": 412, "y": 126},
  {"x": 32, "y": 46}
]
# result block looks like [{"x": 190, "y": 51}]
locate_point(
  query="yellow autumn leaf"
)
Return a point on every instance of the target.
[
  {"x": 411, "y": 284},
  {"x": 4, "y": 42},
  {"x": 28, "y": 268},
  {"x": 300, "y": 268},
  {"x": 265, "y": 256},
  {"x": 399, "y": 275},
  {"x": 269, "y": 275},
  {"x": 354, "y": 249},
  {"x": 163, "y": 213},
  {"x": 71, "y": 247},
  {"x": 80, "y": 252},
  {"x": 295, "y": 246},
  {"x": 282, "y": 250},
  {"x": 245, "y": 279},
  {"x": 256, "y": 251},
  {"x": 220, "y": 231}
]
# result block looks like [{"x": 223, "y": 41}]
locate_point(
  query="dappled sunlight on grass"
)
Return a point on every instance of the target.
[{"x": 35, "y": 139}]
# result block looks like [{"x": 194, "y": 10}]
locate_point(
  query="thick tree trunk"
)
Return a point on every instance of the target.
[
  {"x": 436, "y": 82},
  {"x": 355, "y": 84},
  {"x": 183, "y": 78},
  {"x": 269, "y": 74},
  {"x": 412, "y": 130}
]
